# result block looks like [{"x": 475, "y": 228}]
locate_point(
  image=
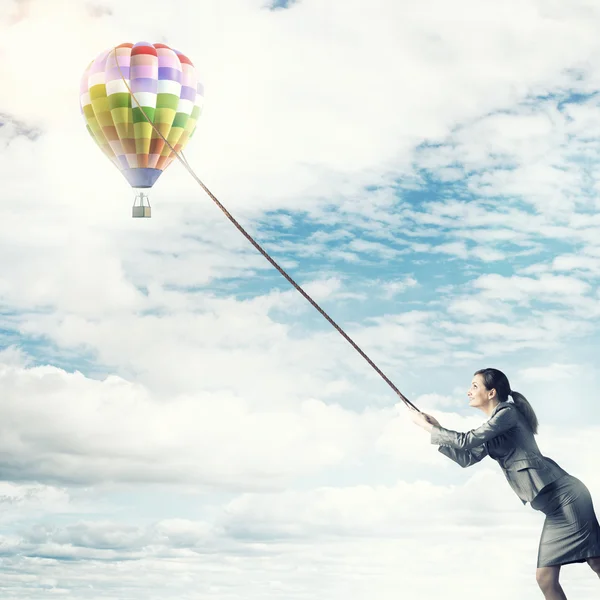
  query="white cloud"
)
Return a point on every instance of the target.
[
  {"x": 551, "y": 372},
  {"x": 61, "y": 427},
  {"x": 488, "y": 254},
  {"x": 477, "y": 307},
  {"x": 573, "y": 262},
  {"x": 29, "y": 500},
  {"x": 457, "y": 249},
  {"x": 391, "y": 289},
  {"x": 14, "y": 357},
  {"x": 548, "y": 288}
]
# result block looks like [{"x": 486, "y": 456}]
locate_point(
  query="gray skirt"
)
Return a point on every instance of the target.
[{"x": 571, "y": 533}]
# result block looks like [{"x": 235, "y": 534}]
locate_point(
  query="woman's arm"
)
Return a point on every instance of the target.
[
  {"x": 502, "y": 421},
  {"x": 465, "y": 458}
]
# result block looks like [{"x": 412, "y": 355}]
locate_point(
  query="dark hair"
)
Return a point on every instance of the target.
[{"x": 494, "y": 379}]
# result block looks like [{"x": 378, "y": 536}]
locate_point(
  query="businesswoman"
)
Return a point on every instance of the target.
[{"x": 571, "y": 533}]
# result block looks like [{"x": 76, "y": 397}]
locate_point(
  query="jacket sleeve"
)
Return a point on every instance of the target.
[
  {"x": 501, "y": 422},
  {"x": 465, "y": 458}
]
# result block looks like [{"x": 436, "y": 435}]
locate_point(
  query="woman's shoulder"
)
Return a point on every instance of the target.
[
  {"x": 504, "y": 415},
  {"x": 503, "y": 407}
]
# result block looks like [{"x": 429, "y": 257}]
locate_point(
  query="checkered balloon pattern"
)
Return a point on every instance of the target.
[{"x": 165, "y": 83}]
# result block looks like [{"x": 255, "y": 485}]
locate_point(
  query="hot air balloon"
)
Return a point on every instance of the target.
[{"x": 165, "y": 84}]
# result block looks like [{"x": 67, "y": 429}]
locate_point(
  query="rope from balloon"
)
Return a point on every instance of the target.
[{"x": 263, "y": 252}]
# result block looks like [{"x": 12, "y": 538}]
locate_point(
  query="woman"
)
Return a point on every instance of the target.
[{"x": 571, "y": 531}]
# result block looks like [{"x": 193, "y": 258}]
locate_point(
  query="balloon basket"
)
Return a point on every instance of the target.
[{"x": 141, "y": 207}]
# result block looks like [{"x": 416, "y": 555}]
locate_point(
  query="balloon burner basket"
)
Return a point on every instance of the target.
[{"x": 141, "y": 207}]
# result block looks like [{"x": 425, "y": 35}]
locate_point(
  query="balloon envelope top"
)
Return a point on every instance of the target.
[{"x": 165, "y": 84}]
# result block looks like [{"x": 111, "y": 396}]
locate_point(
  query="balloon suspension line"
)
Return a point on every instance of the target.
[{"x": 264, "y": 253}]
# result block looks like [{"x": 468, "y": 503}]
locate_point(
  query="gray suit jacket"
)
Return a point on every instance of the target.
[{"x": 507, "y": 438}]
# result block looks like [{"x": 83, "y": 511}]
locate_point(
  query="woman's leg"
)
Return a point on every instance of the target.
[
  {"x": 547, "y": 578},
  {"x": 594, "y": 564}
]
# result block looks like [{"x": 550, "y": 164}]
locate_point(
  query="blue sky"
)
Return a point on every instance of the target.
[
  {"x": 171, "y": 405},
  {"x": 282, "y": 4}
]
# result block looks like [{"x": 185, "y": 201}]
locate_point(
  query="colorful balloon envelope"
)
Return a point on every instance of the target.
[{"x": 165, "y": 84}]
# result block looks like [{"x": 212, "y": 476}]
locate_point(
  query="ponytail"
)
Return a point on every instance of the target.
[{"x": 522, "y": 404}]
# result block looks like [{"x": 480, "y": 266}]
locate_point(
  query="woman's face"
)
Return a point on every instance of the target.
[{"x": 478, "y": 395}]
